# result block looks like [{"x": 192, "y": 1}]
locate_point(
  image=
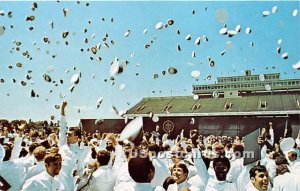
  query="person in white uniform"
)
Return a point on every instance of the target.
[
  {"x": 47, "y": 180},
  {"x": 142, "y": 171},
  {"x": 259, "y": 179},
  {"x": 221, "y": 166},
  {"x": 285, "y": 181},
  {"x": 103, "y": 178}
]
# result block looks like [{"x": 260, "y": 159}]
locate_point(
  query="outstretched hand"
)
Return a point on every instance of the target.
[{"x": 63, "y": 106}]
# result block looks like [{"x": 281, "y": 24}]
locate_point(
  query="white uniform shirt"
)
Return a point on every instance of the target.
[
  {"x": 34, "y": 170},
  {"x": 103, "y": 179},
  {"x": 295, "y": 167},
  {"x": 2, "y": 154},
  {"x": 236, "y": 167},
  {"x": 43, "y": 182},
  {"x": 216, "y": 185},
  {"x": 13, "y": 173},
  {"x": 286, "y": 182}
]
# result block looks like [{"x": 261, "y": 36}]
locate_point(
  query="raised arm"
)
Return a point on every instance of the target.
[{"x": 63, "y": 125}]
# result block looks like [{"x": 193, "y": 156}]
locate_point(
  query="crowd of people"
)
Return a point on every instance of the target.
[{"x": 69, "y": 159}]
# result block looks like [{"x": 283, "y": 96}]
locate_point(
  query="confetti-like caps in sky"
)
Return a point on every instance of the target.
[
  {"x": 75, "y": 78},
  {"x": 248, "y": 30},
  {"x": 231, "y": 33},
  {"x": 32, "y": 93},
  {"x": 172, "y": 70},
  {"x": 178, "y": 47},
  {"x": 238, "y": 28},
  {"x": 223, "y": 31},
  {"x": 295, "y": 12},
  {"x": 155, "y": 118},
  {"x": 215, "y": 94},
  {"x": 285, "y": 56},
  {"x": 145, "y": 31},
  {"x": 188, "y": 37},
  {"x": 268, "y": 87},
  {"x": 297, "y": 65},
  {"x": 65, "y": 11},
  {"x": 198, "y": 40},
  {"x": 126, "y": 34},
  {"x": 195, "y": 97},
  {"x": 47, "y": 78},
  {"x": 193, "y": 54},
  {"x": 19, "y": 65},
  {"x": 266, "y": 13},
  {"x": 159, "y": 25},
  {"x": 274, "y": 9},
  {"x": 261, "y": 77},
  {"x": 195, "y": 73},
  {"x": 170, "y": 22}
]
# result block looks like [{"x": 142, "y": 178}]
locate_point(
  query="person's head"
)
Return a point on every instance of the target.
[
  {"x": 39, "y": 153},
  {"x": 32, "y": 147},
  {"x": 73, "y": 135},
  {"x": 281, "y": 169},
  {"x": 34, "y": 135},
  {"x": 259, "y": 177},
  {"x": 179, "y": 172},
  {"x": 221, "y": 167},
  {"x": 53, "y": 164},
  {"x": 238, "y": 150},
  {"x": 219, "y": 148},
  {"x": 103, "y": 157},
  {"x": 292, "y": 155},
  {"x": 141, "y": 169},
  {"x": 153, "y": 149}
]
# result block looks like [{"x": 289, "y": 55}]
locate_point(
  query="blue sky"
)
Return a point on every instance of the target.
[{"x": 262, "y": 57}]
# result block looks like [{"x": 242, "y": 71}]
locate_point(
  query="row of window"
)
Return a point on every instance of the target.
[
  {"x": 247, "y": 85},
  {"x": 248, "y": 78}
]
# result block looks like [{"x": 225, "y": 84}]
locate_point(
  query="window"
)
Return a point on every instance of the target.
[
  {"x": 228, "y": 106},
  {"x": 167, "y": 108},
  {"x": 263, "y": 104}
]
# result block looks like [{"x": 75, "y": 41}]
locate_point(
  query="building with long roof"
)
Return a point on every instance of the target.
[{"x": 235, "y": 105}]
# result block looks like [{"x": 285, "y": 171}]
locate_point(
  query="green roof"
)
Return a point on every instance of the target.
[{"x": 287, "y": 103}]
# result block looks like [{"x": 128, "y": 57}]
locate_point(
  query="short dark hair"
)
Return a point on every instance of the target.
[
  {"x": 259, "y": 168},
  {"x": 223, "y": 160},
  {"x": 153, "y": 148},
  {"x": 281, "y": 160},
  {"x": 238, "y": 150},
  {"x": 103, "y": 157},
  {"x": 32, "y": 147},
  {"x": 139, "y": 169},
  {"x": 52, "y": 158}
]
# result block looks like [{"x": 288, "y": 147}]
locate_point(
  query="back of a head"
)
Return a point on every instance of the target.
[
  {"x": 39, "y": 153},
  {"x": 140, "y": 169},
  {"x": 238, "y": 150},
  {"x": 281, "y": 169},
  {"x": 32, "y": 147},
  {"x": 153, "y": 148},
  {"x": 103, "y": 157},
  {"x": 281, "y": 160},
  {"x": 257, "y": 168}
]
